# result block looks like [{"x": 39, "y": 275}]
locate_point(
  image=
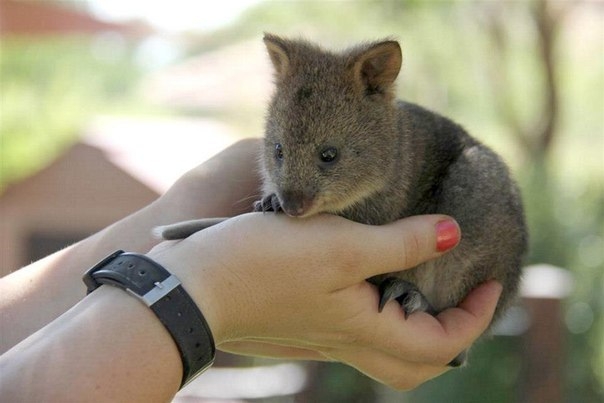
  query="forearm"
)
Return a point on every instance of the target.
[
  {"x": 37, "y": 294},
  {"x": 92, "y": 354}
]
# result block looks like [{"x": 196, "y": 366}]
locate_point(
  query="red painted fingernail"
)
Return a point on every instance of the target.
[{"x": 447, "y": 235}]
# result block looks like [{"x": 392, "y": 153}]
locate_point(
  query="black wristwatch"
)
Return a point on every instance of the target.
[{"x": 162, "y": 292}]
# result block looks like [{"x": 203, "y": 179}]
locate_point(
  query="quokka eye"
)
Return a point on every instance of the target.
[
  {"x": 279, "y": 152},
  {"x": 329, "y": 154}
]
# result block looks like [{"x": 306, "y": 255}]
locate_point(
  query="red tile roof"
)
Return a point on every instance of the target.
[{"x": 54, "y": 18}]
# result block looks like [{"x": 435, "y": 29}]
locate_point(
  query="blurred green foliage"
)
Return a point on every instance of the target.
[
  {"x": 456, "y": 63},
  {"x": 49, "y": 88}
]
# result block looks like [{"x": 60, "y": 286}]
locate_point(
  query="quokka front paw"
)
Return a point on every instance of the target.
[
  {"x": 407, "y": 294},
  {"x": 268, "y": 203}
]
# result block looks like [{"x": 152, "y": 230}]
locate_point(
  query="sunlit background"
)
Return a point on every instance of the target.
[{"x": 129, "y": 94}]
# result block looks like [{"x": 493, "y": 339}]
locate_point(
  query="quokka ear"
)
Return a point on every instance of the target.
[
  {"x": 278, "y": 52},
  {"x": 376, "y": 67}
]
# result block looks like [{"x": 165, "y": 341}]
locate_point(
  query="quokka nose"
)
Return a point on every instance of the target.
[{"x": 296, "y": 203}]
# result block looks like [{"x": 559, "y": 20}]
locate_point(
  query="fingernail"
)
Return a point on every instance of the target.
[{"x": 447, "y": 235}]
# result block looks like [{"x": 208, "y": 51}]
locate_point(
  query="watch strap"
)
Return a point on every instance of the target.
[{"x": 163, "y": 293}]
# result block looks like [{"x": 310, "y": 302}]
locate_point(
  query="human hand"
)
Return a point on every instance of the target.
[
  {"x": 225, "y": 185},
  {"x": 282, "y": 287}
]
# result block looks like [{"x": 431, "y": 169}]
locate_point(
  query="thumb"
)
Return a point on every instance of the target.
[{"x": 402, "y": 244}]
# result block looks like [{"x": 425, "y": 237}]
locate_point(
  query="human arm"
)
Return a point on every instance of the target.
[
  {"x": 35, "y": 295},
  {"x": 259, "y": 280}
]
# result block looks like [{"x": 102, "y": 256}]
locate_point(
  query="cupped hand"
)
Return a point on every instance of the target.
[
  {"x": 225, "y": 185},
  {"x": 295, "y": 288}
]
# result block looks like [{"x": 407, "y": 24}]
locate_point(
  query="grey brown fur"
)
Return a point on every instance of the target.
[{"x": 392, "y": 159}]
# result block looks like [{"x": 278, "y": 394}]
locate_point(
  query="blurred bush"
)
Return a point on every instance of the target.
[{"x": 49, "y": 88}]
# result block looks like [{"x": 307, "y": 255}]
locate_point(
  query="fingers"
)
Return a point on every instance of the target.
[
  {"x": 394, "y": 372},
  {"x": 474, "y": 314},
  {"x": 423, "y": 338}
]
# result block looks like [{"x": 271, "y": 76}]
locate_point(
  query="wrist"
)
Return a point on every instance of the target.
[
  {"x": 195, "y": 277},
  {"x": 162, "y": 292}
]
